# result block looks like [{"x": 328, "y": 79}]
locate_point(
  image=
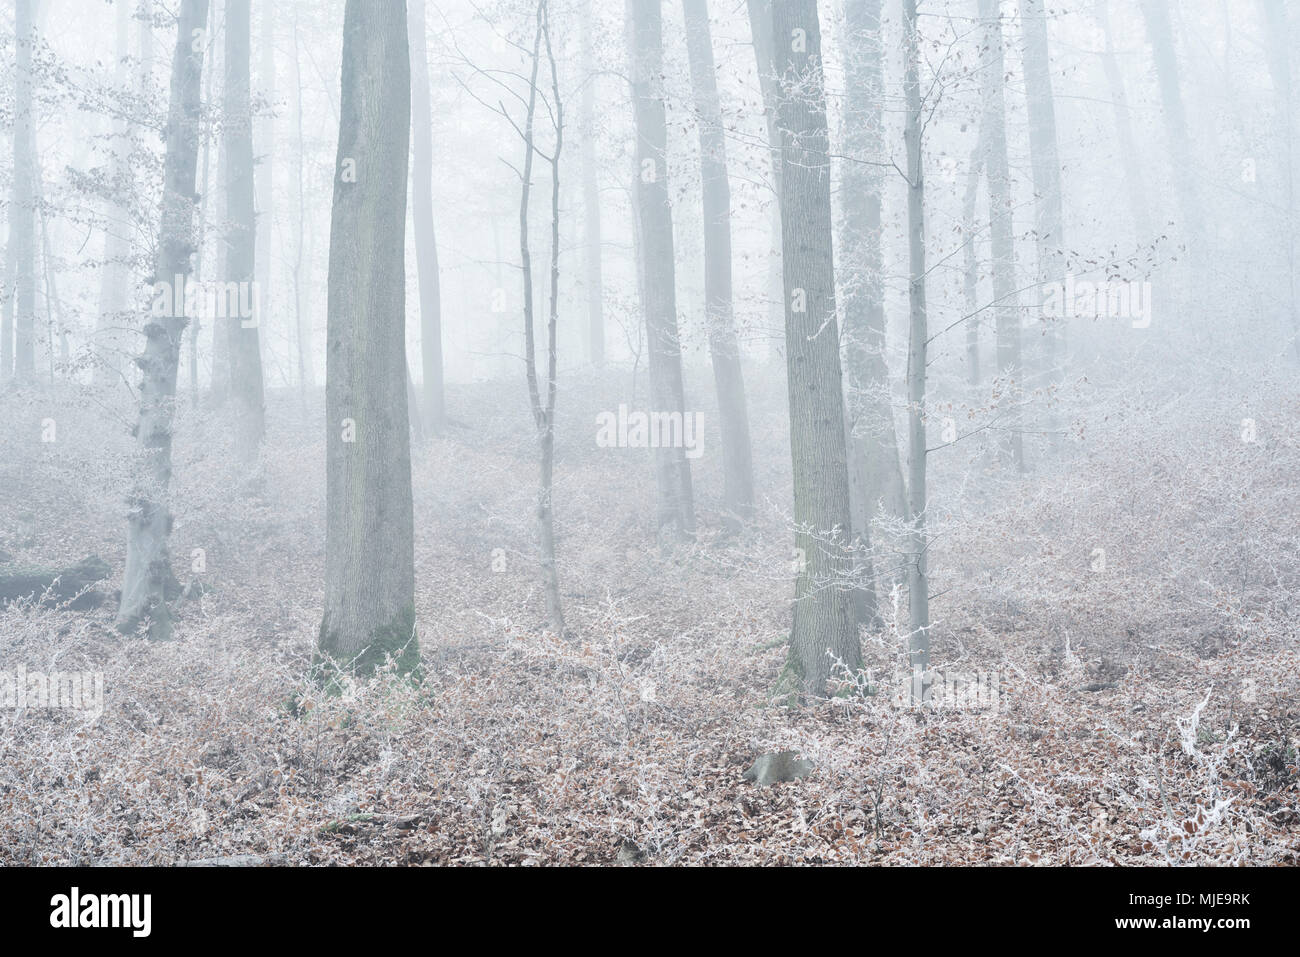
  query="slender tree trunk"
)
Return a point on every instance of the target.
[
  {"x": 22, "y": 208},
  {"x": 825, "y": 619},
  {"x": 760, "y": 25},
  {"x": 918, "y": 579},
  {"x": 1279, "y": 64},
  {"x": 1005, "y": 306},
  {"x": 148, "y": 579},
  {"x": 672, "y": 468},
  {"x": 369, "y": 536},
  {"x": 1046, "y": 168},
  {"x": 543, "y": 408},
  {"x": 1133, "y": 178},
  {"x": 201, "y": 230},
  {"x": 873, "y": 455},
  {"x": 265, "y": 180},
  {"x": 240, "y": 237},
  {"x": 426, "y": 246},
  {"x": 1160, "y": 33},
  {"x": 970, "y": 255},
  {"x": 591, "y": 198},
  {"x": 301, "y": 262},
  {"x": 111, "y": 342},
  {"x": 724, "y": 347}
]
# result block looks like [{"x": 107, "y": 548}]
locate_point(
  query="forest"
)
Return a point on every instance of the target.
[{"x": 649, "y": 432}]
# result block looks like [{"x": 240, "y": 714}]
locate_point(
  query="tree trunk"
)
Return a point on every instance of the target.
[
  {"x": 22, "y": 208},
  {"x": 1046, "y": 167},
  {"x": 970, "y": 256},
  {"x": 1005, "y": 307},
  {"x": 918, "y": 579},
  {"x": 1133, "y": 179},
  {"x": 591, "y": 199},
  {"x": 825, "y": 622},
  {"x": 760, "y": 26},
  {"x": 111, "y": 341},
  {"x": 1160, "y": 33},
  {"x": 240, "y": 238},
  {"x": 873, "y": 455},
  {"x": 301, "y": 262},
  {"x": 148, "y": 579},
  {"x": 672, "y": 468},
  {"x": 369, "y": 536},
  {"x": 724, "y": 347},
  {"x": 426, "y": 246},
  {"x": 265, "y": 180}
]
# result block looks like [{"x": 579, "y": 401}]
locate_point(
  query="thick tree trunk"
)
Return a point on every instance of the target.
[
  {"x": 426, "y": 246},
  {"x": 1046, "y": 166},
  {"x": 672, "y": 468},
  {"x": 724, "y": 347},
  {"x": 22, "y": 208},
  {"x": 1005, "y": 306},
  {"x": 240, "y": 238},
  {"x": 918, "y": 580},
  {"x": 369, "y": 533},
  {"x": 825, "y": 620},
  {"x": 148, "y": 579},
  {"x": 873, "y": 455},
  {"x": 591, "y": 199}
]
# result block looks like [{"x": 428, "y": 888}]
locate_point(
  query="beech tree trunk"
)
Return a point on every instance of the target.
[
  {"x": 369, "y": 530},
  {"x": 426, "y": 246},
  {"x": 591, "y": 198},
  {"x": 918, "y": 580},
  {"x": 724, "y": 347},
  {"x": 241, "y": 236},
  {"x": 1005, "y": 300},
  {"x": 825, "y": 623},
  {"x": 873, "y": 455},
  {"x": 676, "y": 508},
  {"x": 147, "y": 580},
  {"x": 22, "y": 207}
]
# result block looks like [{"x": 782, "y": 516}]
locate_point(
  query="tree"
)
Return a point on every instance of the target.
[
  {"x": 918, "y": 581},
  {"x": 115, "y": 274},
  {"x": 426, "y": 246},
  {"x": 825, "y": 622},
  {"x": 241, "y": 236},
  {"x": 1005, "y": 309},
  {"x": 1160, "y": 34},
  {"x": 22, "y": 207},
  {"x": 148, "y": 581},
  {"x": 676, "y": 510},
  {"x": 591, "y": 197},
  {"x": 1133, "y": 178},
  {"x": 875, "y": 471},
  {"x": 369, "y": 531},
  {"x": 724, "y": 347},
  {"x": 543, "y": 409},
  {"x": 1046, "y": 169}
]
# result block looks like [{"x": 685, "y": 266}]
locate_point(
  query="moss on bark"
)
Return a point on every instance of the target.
[{"x": 395, "y": 638}]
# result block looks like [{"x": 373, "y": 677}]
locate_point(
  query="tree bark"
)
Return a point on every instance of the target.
[
  {"x": 241, "y": 236},
  {"x": 873, "y": 455},
  {"x": 724, "y": 347},
  {"x": 1005, "y": 306},
  {"x": 918, "y": 580},
  {"x": 148, "y": 579},
  {"x": 825, "y": 620},
  {"x": 1045, "y": 164},
  {"x": 426, "y": 246},
  {"x": 369, "y": 537},
  {"x": 676, "y": 509},
  {"x": 22, "y": 208},
  {"x": 591, "y": 198}
]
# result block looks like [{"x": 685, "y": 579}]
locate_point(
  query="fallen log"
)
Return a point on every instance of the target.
[{"x": 53, "y": 586}]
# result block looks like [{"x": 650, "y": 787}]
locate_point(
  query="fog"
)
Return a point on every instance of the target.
[{"x": 577, "y": 431}]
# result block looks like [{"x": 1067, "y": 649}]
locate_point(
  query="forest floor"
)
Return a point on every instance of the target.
[{"x": 1138, "y": 607}]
